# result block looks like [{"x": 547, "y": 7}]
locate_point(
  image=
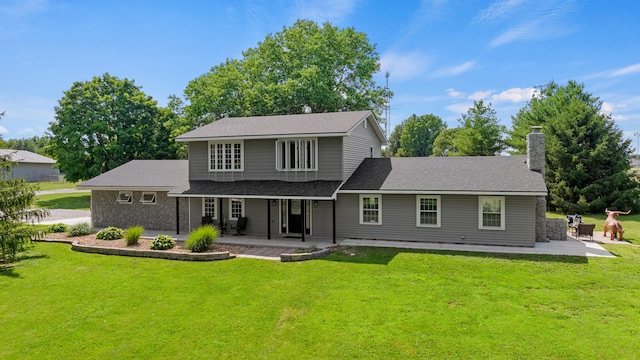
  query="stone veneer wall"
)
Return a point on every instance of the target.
[
  {"x": 536, "y": 162},
  {"x": 106, "y": 211},
  {"x": 557, "y": 229}
]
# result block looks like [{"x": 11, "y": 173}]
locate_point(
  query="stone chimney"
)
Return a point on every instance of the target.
[{"x": 536, "y": 162}]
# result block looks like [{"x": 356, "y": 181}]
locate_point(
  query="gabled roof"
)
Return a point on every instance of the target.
[
  {"x": 162, "y": 175},
  {"x": 319, "y": 124},
  {"x": 447, "y": 175},
  {"x": 23, "y": 156}
]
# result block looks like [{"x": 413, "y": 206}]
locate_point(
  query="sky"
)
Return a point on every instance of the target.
[{"x": 441, "y": 54}]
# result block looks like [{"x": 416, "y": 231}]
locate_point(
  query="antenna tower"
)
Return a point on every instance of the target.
[{"x": 387, "y": 109}]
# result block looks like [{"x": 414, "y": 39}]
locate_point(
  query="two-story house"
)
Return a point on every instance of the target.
[{"x": 322, "y": 175}]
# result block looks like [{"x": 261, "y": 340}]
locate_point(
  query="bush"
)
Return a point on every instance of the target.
[
  {"x": 110, "y": 233},
  {"x": 163, "y": 242},
  {"x": 80, "y": 229},
  {"x": 57, "y": 228},
  {"x": 200, "y": 238},
  {"x": 133, "y": 234}
]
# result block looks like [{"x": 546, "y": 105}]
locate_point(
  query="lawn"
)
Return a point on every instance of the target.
[
  {"x": 56, "y": 185},
  {"x": 356, "y": 303},
  {"x": 79, "y": 201},
  {"x": 630, "y": 224}
]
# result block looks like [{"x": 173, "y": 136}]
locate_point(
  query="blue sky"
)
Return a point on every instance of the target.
[{"x": 441, "y": 54}]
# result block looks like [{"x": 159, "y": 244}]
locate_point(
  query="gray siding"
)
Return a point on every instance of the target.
[
  {"x": 260, "y": 162},
  {"x": 357, "y": 146},
  {"x": 34, "y": 172},
  {"x": 106, "y": 211},
  {"x": 459, "y": 221}
]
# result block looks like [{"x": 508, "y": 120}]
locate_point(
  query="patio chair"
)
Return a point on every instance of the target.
[
  {"x": 240, "y": 226},
  {"x": 207, "y": 220},
  {"x": 574, "y": 221},
  {"x": 586, "y": 230}
]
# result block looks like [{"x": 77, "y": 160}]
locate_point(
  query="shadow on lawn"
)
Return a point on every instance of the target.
[
  {"x": 8, "y": 270},
  {"x": 382, "y": 256}
]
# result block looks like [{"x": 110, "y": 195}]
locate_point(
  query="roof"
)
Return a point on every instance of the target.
[
  {"x": 142, "y": 174},
  {"x": 317, "y": 124},
  {"x": 23, "y": 156},
  {"x": 447, "y": 175},
  {"x": 263, "y": 189}
]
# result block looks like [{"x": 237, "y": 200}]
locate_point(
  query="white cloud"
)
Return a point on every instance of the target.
[
  {"x": 3, "y": 130},
  {"x": 479, "y": 95},
  {"x": 515, "y": 95},
  {"x": 404, "y": 66},
  {"x": 453, "y": 93},
  {"x": 607, "y": 108},
  {"x": 499, "y": 10},
  {"x": 455, "y": 70},
  {"x": 333, "y": 11},
  {"x": 459, "y": 108},
  {"x": 628, "y": 70}
]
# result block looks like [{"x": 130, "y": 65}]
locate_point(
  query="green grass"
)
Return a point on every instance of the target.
[
  {"x": 79, "y": 201},
  {"x": 353, "y": 304},
  {"x": 56, "y": 185},
  {"x": 630, "y": 224}
]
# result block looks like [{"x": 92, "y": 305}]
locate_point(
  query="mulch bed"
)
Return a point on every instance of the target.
[{"x": 143, "y": 244}]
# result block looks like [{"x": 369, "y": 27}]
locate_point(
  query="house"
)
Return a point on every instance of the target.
[
  {"x": 33, "y": 167},
  {"x": 322, "y": 175}
]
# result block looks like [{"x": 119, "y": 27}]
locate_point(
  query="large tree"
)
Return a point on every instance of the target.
[
  {"x": 104, "y": 123},
  {"x": 418, "y": 134},
  {"x": 480, "y": 133},
  {"x": 587, "y": 167},
  {"x": 16, "y": 196},
  {"x": 303, "y": 68}
]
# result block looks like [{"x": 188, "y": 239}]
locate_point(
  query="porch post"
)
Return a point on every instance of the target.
[
  {"x": 221, "y": 216},
  {"x": 304, "y": 218},
  {"x": 268, "y": 219},
  {"x": 177, "y": 215},
  {"x": 334, "y": 220}
]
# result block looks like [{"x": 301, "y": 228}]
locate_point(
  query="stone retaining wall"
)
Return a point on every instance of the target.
[
  {"x": 158, "y": 254},
  {"x": 304, "y": 256},
  {"x": 557, "y": 229}
]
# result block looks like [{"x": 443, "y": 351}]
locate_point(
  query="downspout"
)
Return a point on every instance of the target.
[
  {"x": 177, "y": 216},
  {"x": 304, "y": 218}
]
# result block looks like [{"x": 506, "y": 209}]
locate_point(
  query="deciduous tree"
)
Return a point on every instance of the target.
[
  {"x": 418, "y": 135},
  {"x": 480, "y": 133}
]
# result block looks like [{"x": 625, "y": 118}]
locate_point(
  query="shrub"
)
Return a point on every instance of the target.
[
  {"x": 200, "y": 238},
  {"x": 133, "y": 234},
  {"x": 57, "y": 228},
  {"x": 80, "y": 229},
  {"x": 110, "y": 233},
  {"x": 162, "y": 242}
]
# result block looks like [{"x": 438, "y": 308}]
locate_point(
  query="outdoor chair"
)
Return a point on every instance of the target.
[
  {"x": 207, "y": 220},
  {"x": 240, "y": 226},
  {"x": 574, "y": 221},
  {"x": 586, "y": 230}
]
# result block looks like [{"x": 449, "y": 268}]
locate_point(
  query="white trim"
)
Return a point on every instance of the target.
[
  {"x": 361, "y": 210},
  {"x": 261, "y": 137},
  {"x": 129, "y": 198},
  {"x": 241, "y": 200},
  {"x": 151, "y": 201},
  {"x": 448, "y": 192},
  {"x": 270, "y": 197},
  {"x": 215, "y": 206},
  {"x": 438, "y": 210},
  {"x": 481, "y": 226},
  {"x": 224, "y": 156},
  {"x": 126, "y": 188},
  {"x": 284, "y": 167}
]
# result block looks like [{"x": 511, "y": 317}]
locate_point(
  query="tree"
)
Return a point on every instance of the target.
[
  {"x": 16, "y": 196},
  {"x": 104, "y": 123},
  {"x": 36, "y": 144},
  {"x": 480, "y": 133},
  {"x": 444, "y": 143},
  {"x": 394, "y": 140},
  {"x": 587, "y": 168},
  {"x": 304, "y": 68},
  {"x": 418, "y": 135}
]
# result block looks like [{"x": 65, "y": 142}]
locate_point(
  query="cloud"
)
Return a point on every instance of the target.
[
  {"x": 607, "y": 108},
  {"x": 459, "y": 108},
  {"x": 515, "y": 95},
  {"x": 3, "y": 130},
  {"x": 453, "y": 93},
  {"x": 429, "y": 10},
  {"x": 333, "y": 11},
  {"x": 479, "y": 95},
  {"x": 454, "y": 70},
  {"x": 497, "y": 11},
  {"x": 404, "y": 66},
  {"x": 632, "y": 69}
]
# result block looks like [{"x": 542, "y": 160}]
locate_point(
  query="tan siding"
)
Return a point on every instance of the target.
[{"x": 357, "y": 146}]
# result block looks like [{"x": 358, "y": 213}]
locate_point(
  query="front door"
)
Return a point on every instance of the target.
[
  {"x": 291, "y": 212},
  {"x": 295, "y": 216}
]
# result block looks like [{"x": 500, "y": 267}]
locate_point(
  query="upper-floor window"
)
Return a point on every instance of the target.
[
  {"x": 226, "y": 156},
  {"x": 491, "y": 212},
  {"x": 297, "y": 154}
]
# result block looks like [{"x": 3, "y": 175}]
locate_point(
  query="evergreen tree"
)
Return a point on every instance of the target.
[{"x": 480, "y": 133}]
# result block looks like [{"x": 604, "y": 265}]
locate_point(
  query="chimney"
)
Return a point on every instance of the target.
[{"x": 535, "y": 150}]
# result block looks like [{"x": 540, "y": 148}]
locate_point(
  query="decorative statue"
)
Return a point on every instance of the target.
[{"x": 612, "y": 224}]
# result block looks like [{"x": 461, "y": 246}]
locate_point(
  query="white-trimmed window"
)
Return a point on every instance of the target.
[
  {"x": 236, "y": 209},
  {"x": 428, "y": 210},
  {"x": 209, "y": 205},
  {"x": 370, "y": 209},
  {"x": 125, "y": 197},
  {"x": 148, "y": 198},
  {"x": 297, "y": 154},
  {"x": 226, "y": 156},
  {"x": 491, "y": 210}
]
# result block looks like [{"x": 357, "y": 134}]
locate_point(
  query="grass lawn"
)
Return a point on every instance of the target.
[
  {"x": 630, "y": 224},
  {"x": 79, "y": 201},
  {"x": 356, "y": 303},
  {"x": 56, "y": 185}
]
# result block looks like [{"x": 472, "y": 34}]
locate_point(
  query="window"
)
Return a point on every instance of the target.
[
  {"x": 148, "y": 198},
  {"x": 226, "y": 156},
  {"x": 491, "y": 211},
  {"x": 371, "y": 209},
  {"x": 299, "y": 154},
  {"x": 125, "y": 197},
  {"x": 236, "y": 208},
  {"x": 428, "y": 210},
  {"x": 209, "y": 207}
]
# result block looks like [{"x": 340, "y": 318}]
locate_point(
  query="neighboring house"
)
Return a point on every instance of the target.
[
  {"x": 321, "y": 175},
  {"x": 31, "y": 166}
]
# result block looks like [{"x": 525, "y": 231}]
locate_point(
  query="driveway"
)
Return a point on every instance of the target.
[{"x": 69, "y": 217}]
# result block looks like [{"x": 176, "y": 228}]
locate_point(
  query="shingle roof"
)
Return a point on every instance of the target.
[
  {"x": 260, "y": 188},
  {"x": 479, "y": 174},
  {"x": 158, "y": 174},
  {"x": 336, "y": 123},
  {"x": 23, "y": 156}
]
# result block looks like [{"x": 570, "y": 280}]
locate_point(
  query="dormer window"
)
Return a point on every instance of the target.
[
  {"x": 297, "y": 155},
  {"x": 226, "y": 156}
]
